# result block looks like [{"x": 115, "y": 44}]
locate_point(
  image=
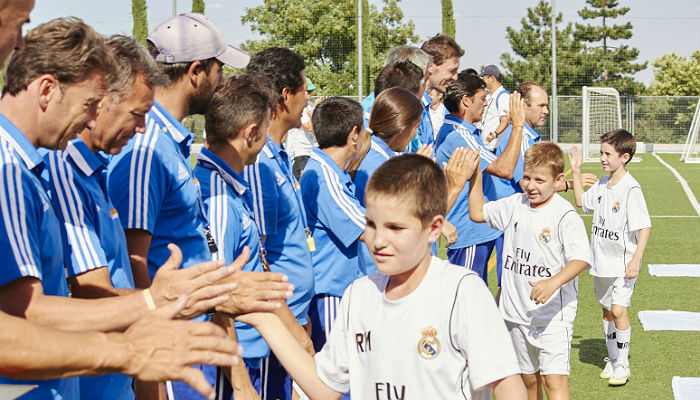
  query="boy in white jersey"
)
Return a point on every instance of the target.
[
  {"x": 545, "y": 248},
  {"x": 420, "y": 328},
  {"x": 619, "y": 235}
]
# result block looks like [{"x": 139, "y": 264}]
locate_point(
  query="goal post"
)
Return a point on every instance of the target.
[
  {"x": 691, "y": 150},
  {"x": 601, "y": 114}
]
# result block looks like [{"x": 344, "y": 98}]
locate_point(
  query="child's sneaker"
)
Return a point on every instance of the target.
[
  {"x": 621, "y": 373},
  {"x": 608, "y": 370}
]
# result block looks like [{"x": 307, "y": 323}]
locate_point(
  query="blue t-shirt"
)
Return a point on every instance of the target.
[
  {"x": 280, "y": 215},
  {"x": 153, "y": 189},
  {"x": 498, "y": 188},
  {"x": 336, "y": 219},
  {"x": 30, "y": 237},
  {"x": 379, "y": 152},
  {"x": 229, "y": 206},
  {"x": 459, "y": 133},
  {"x": 94, "y": 237}
]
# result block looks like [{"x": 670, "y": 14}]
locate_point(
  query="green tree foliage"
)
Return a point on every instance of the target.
[
  {"x": 448, "y": 19},
  {"x": 676, "y": 75},
  {"x": 615, "y": 63},
  {"x": 198, "y": 6},
  {"x": 324, "y": 33},
  {"x": 532, "y": 45},
  {"x": 140, "y": 29}
]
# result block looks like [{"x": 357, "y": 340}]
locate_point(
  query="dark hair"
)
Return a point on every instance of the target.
[
  {"x": 402, "y": 74},
  {"x": 242, "y": 99},
  {"x": 66, "y": 48},
  {"x": 132, "y": 59},
  {"x": 465, "y": 85},
  {"x": 622, "y": 141},
  {"x": 525, "y": 90},
  {"x": 469, "y": 71},
  {"x": 394, "y": 111},
  {"x": 545, "y": 155},
  {"x": 281, "y": 67},
  {"x": 175, "y": 71},
  {"x": 415, "y": 180},
  {"x": 442, "y": 47},
  {"x": 333, "y": 120}
]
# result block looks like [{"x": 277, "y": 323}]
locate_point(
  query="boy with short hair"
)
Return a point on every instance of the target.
[
  {"x": 619, "y": 234},
  {"x": 545, "y": 248},
  {"x": 408, "y": 331}
]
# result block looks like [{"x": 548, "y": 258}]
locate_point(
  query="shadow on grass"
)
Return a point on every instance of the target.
[{"x": 591, "y": 351}]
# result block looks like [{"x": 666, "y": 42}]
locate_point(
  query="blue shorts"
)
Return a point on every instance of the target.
[
  {"x": 476, "y": 257},
  {"x": 223, "y": 388},
  {"x": 322, "y": 313}
]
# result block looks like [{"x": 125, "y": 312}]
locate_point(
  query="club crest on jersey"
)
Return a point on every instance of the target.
[
  {"x": 429, "y": 345},
  {"x": 545, "y": 236},
  {"x": 616, "y": 207}
]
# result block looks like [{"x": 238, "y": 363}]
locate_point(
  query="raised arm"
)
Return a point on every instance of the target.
[
  {"x": 504, "y": 165},
  {"x": 476, "y": 197},
  {"x": 575, "y": 159},
  {"x": 458, "y": 169}
]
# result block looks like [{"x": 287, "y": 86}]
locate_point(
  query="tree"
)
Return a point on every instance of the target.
[
  {"x": 198, "y": 6},
  {"x": 676, "y": 75},
  {"x": 448, "y": 19},
  {"x": 615, "y": 65},
  {"x": 532, "y": 45},
  {"x": 140, "y": 29},
  {"x": 324, "y": 34}
]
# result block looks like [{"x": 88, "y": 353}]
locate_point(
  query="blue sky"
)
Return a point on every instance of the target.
[{"x": 659, "y": 27}]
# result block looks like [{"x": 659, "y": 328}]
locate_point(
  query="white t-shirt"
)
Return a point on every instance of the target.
[
  {"x": 437, "y": 117},
  {"x": 442, "y": 341},
  {"x": 299, "y": 141},
  {"x": 537, "y": 244},
  {"x": 496, "y": 107},
  {"x": 619, "y": 212}
]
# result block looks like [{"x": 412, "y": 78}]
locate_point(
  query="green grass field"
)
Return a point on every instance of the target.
[{"x": 655, "y": 356}]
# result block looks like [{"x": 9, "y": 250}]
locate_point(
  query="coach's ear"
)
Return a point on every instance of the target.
[{"x": 435, "y": 228}]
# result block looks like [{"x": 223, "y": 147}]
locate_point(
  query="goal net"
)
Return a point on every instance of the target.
[
  {"x": 601, "y": 114},
  {"x": 692, "y": 146}
]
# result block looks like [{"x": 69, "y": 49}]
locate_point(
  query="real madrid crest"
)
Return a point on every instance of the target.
[
  {"x": 616, "y": 207},
  {"x": 429, "y": 345},
  {"x": 546, "y": 235}
]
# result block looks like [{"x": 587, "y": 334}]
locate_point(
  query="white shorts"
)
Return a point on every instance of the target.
[
  {"x": 615, "y": 290},
  {"x": 542, "y": 349}
]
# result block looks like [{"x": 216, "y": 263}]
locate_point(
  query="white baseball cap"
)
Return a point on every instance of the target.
[{"x": 191, "y": 37}]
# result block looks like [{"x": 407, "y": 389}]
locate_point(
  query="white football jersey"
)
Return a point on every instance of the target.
[
  {"x": 619, "y": 212},
  {"x": 537, "y": 244},
  {"x": 445, "y": 340}
]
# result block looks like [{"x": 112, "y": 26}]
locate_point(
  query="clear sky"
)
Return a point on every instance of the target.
[{"x": 659, "y": 26}]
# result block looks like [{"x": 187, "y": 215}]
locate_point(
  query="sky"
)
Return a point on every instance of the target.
[{"x": 659, "y": 27}]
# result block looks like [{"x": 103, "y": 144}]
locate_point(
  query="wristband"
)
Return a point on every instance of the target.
[
  {"x": 566, "y": 182},
  {"x": 150, "y": 304},
  {"x": 518, "y": 126}
]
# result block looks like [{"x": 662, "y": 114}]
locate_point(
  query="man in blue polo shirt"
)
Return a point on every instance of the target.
[
  {"x": 465, "y": 98},
  {"x": 150, "y": 182},
  {"x": 278, "y": 207},
  {"x": 336, "y": 218}
]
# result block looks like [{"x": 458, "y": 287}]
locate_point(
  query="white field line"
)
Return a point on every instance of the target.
[{"x": 683, "y": 182}]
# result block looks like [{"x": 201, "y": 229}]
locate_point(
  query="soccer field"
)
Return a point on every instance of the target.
[{"x": 655, "y": 356}]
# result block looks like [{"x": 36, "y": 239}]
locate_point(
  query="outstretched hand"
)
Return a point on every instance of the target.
[
  {"x": 156, "y": 348},
  {"x": 517, "y": 110},
  {"x": 426, "y": 150},
  {"x": 201, "y": 283},
  {"x": 575, "y": 159}
]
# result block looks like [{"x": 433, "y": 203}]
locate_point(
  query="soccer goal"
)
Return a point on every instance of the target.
[
  {"x": 601, "y": 114},
  {"x": 691, "y": 149}
]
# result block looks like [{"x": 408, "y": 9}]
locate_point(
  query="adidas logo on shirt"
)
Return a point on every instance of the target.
[
  {"x": 280, "y": 178},
  {"x": 182, "y": 173}
]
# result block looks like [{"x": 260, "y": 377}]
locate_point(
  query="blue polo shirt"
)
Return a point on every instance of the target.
[
  {"x": 336, "y": 219},
  {"x": 94, "y": 236},
  {"x": 229, "y": 205},
  {"x": 280, "y": 215},
  {"x": 366, "y": 104},
  {"x": 153, "y": 189},
  {"x": 30, "y": 237},
  {"x": 459, "y": 133},
  {"x": 424, "y": 133},
  {"x": 498, "y": 188},
  {"x": 379, "y": 152}
]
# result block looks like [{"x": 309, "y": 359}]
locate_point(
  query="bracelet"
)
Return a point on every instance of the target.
[
  {"x": 566, "y": 182},
  {"x": 518, "y": 126},
  {"x": 150, "y": 304}
]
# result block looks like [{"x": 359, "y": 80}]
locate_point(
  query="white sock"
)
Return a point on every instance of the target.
[
  {"x": 623, "y": 345},
  {"x": 610, "y": 339}
]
